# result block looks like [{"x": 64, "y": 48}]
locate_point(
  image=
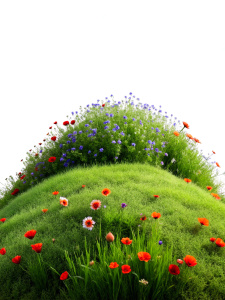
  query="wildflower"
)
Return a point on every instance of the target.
[
  {"x": 186, "y": 125},
  {"x": 37, "y": 247},
  {"x": 212, "y": 239},
  {"x": 83, "y": 186},
  {"x": 91, "y": 263},
  {"x": 109, "y": 237},
  {"x": 156, "y": 196},
  {"x": 113, "y": 265},
  {"x": 88, "y": 223},
  {"x": 189, "y": 136},
  {"x": 81, "y": 147},
  {"x": 15, "y": 192},
  {"x": 55, "y": 122},
  {"x": 95, "y": 204},
  {"x": 180, "y": 261},
  {"x": 36, "y": 154},
  {"x": 64, "y": 275},
  {"x": 143, "y": 218},
  {"x": 220, "y": 243},
  {"x": 126, "y": 269},
  {"x": 123, "y": 205},
  {"x": 133, "y": 144},
  {"x": 160, "y": 242},
  {"x": 190, "y": 261},
  {"x": 103, "y": 105},
  {"x": 30, "y": 234},
  {"x": 113, "y": 142},
  {"x": 16, "y": 259},
  {"x": 53, "y": 138},
  {"x": 176, "y": 133},
  {"x": 2, "y": 251},
  {"x": 187, "y": 179},
  {"x": 44, "y": 210},
  {"x": 213, "y": 152},
  {"x": 52, "y": 159},
  {"x": 2, "y": 220},
  {"x": 203, "y": 221},
  {"x": 216, "y": 196},
  {"x": 143, "y": 281},
  {"x": 162, "y": 163},
  {"x": 218, "y": 165},
  {"x": 72, "y": 122},
  {"x": 197, "y": 141},
  {"x": 65, "y": 123},
  {"x": 144, "y": 256},
  {"x": 174, "y": 269},
  {"x": 209, "y": 188},
  {"x": 63, "y": 201},
  {"x": 53, "y": 240},
  {"x": 156, "y": 215},
  {"x": 104, "y": 206},
  {"x": 126, "y": 241},
  {"x": 22, "y": 177},
  {"x": 101, "y": 149},
  {"x": 106, "y": 192}
]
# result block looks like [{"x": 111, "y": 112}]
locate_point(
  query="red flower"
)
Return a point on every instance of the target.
[
  {"x": 22, "y": 177},
  {"x": 103, "y": 105},
  {"x": 186, "y": 125},
  {"x": 156, "y": 196},
  {"x": 212, "y": 239},
  {"x": 203, "y": 221},
  {"x": 44, "y": 140},
  {"x": 126, "y": 241},
  {"x": 143, "y": 218},
  {"x": 15, "y": 192},
  {"x": 180, "y": 261},
  {"x": 53, "y": 138},
  {"x": 36, "y": 154},
  {"x": 52, "y": 159},
  {"x": 220, "y": 242},
  {"x": 190, "y": 261},
  {"x": 197, "y": 141},
  {"x": 106, "y": 192},
  {"x": 156, "y": 215},
  {"x": 40, "y": 144},
  {"x": 109, "y": 237},
  {"x": 55, "y": 193},
  {"x": 55, "y": 122},
  {"x": 50, "y": 127},
  {"x": 216, "y": 196},
  {"x": 187, "y": 179},
  {"x": 30, "y": 234},
  {"x": 144, "y": 256},
  {"x": 83, "y": 186},
  {"x": 126, "y": 269},
  {"x": 16, "y": 259},
  {"x": 176, "y": 133},
  {"x": 72, "y": 122},
  {"x": 2, "y": 251},
  {"x": 174, "y": 269},
  {"x": 113, "y": 265},
  {"x": 21, "y": 159},
  {"x": 218, "y": 165},
  {"x": 37, "y": 247},
  {"x": 30, "y": 150},
  {"x": 3, "y": 220},
  {"x": 65, "y": 123},
  {"x": 213, "y": 152},
  {"x": 209, "y": 188},
  {"x": 36, "y": 169},
  {"x": 44, "y": 210},
  {"x": 95, "y": 204},
  {"x": 189, "y": 136},
  {"x": 64, "y": 275}
]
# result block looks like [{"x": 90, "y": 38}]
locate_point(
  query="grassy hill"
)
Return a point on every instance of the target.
[{"x": 179, "y": 203}]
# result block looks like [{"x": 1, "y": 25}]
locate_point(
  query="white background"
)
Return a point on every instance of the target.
[{"x": 56, "y": 56}]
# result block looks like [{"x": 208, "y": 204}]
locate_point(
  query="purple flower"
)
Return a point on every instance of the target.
[
  {"x": 162, "y": 163},
  {"x": 160, "y": 242},
  {"x": 72, "y": 113},
  {"x": 69, "y": 135},
  {"x": 113, "y": 142},
  {"x": 95, "y": 154},
  {"x": 122, "y": 133},
  {"x": 157, "y": 130},
  {"x": 61, "y": 145},
  {"x": 40, "y": 151},
  {"x": 101, "y": 149},
  {"x": 116, "y": 157},
  {"x": 86, "y": 125},
  {"x": 133, "y": 144},
  {"x": 68, "y": 142},
  {"x": 75, "y": 132},
  {"x": 166, "y": 154},
  {"x": 123, "y": 205},
  {"x": 73, "y": 149},
  {"x": 125, "y": 117},
  {"x": 104, "y": 206},
  {"x": 61, "y": 159},
  {"x": 156, "y": 150},
  {"x": 81, "y": 147},
  {"x": 106, "y": 127},
  {"x": 32, "y": 174},
  {"x": 111, "y": 115},
  {"x": 119, "y": 142},
  {"x": 89, "y": 151},
  {"x": 91, "y": 121},
  {"x": 106, "y": 122},
  {"x": 80, "y": 131},
  {"x": 125, "y": 122},
  {"x": 73, "y": 140},
  {"x": 134, "y": 119},
  {"x": 150, "y": 142},
  {"x": 64, "y": 155}
]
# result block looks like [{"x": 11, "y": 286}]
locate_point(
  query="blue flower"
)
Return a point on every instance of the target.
[
  {"x": 91, "y": 121},
  {"x": 160, "y": 242},
  {"x": 73, "y": 149},
  {"x": 95, "y": 154},
  {"x": 150, "y": 142},
  {"x": 116, "y": 157},
  {"x": 68, "y": 142},
  {"x": 32, "y": 174},
  {"x": 111, "y": 115},
  {"x": 75, "y": 132},
  {"x": 166, "y": 154},
  {"x": 40, "y": 151},
  {"x": 123, "y": 205},
  {"x": 72, "y": 113},
  {"x": 61, "y": 145},
  {"x": 133, "y": 144},
  {"x": 125, "y": 117},
  {"x": 157, "y": 130},
  {"x": 64, "y": 155},
  {"x": 106, "y": 127},
  {"x": 122, "y": 133},
  {"x": 125, "y": 122},
  {"x": 61, "y": 159},
  {"x": 69, "y": 135},
  {"x": 89, "y": 151},
  {"x": 134, "y": 119},
  {"x": 106, "y": 122},
  {"x": 66, "y": 164},
  {"x": 101, "y": 149},
  {"x": 113, "y": 142},
  {"x": 73, "y": 140},
  {"x": 107, "y": 114},
  {"x": 80, "y": 132},
  {"x": 81, "y": 147},
  {"x": 141, "y": 123},
  {"x": 86, "y": 125},
  {"x": 119, "y": 142},
  {"x": 156, "y": 150}
]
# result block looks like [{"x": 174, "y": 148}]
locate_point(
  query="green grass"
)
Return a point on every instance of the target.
[{"x": 180, "y": 205}]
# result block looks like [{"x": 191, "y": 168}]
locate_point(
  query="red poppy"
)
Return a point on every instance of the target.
[
  {"x": 44, "y": 140},
  {"x": 21, "y": 159},
  {"x": 103, "y": 105},
  {"x": 36, "y": 154},
  {"x": 15, "y": 192},
  {"x": 218, "y": 165},
  {"x": 220, "y": 243},
  {"x": 55, "y": 193},
  {"x": 53, "y": 138},
  {"x": 64, "y": 275},
  {"x": 174, "y": 269},
  {"x": 37, "y": 247},
  {"x": 40, "y": 144},
  {"x": 156, "y": 215},
  {"x": 212, "y": 239},
  {"x": 30, "y": 234},
  {"x": 3, "y": 220},
  {"x": 190, "y": 261},
  {"x": 189, "y": 136},
  {"x": 143, "y": 218},
  {"x": 22, "y": 177},
  {"x": 55, "y": 122},
  {"x": 44, "y": 210},
  {"x": 106, "y": 192},
  {"x": 83, "y": 186},
  {"x": 2, "y": 251},
  {"x": 176, "y": 133},
  {"x": 126, "y": 269},
  {"x": 186, "y": 125},
  {"x": 126, "y": 241},
  {"x": 213, "y": 152},
  {"x": 197, "y": 141},
  {"x": 203, "y": 221},
  {"x": 113, "y": 265},
  {"x": 187, "y": 179},
  {"x": 16, "y": 259},
  {"x": 65, "y": 123},
  {"x": 144, "y": 256},
  {"x": 72, "y": 122},
  {"x": 180, "y": 261},
  {"x": 52, "y": 159},
  {"x": 215, "y": 196},
  {"x": 95, "y": 204},
  {"x": 156, "y": 196},
  {"x": 30, "y": 150},
  {"x": 50, "y": 127},
  {"x": 209, "y": 188}
]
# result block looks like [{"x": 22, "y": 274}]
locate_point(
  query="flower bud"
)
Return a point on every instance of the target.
[
  {"x": 91, "y": 263},
  {"x": 53, "y": 240},
  {"x": 109, "y": 237}
]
